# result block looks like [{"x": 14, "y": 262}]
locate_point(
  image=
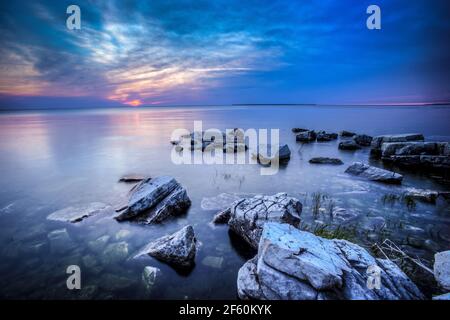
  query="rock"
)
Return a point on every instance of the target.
[
  {"x": 442, "y": 269},
  {"x": 373, "y": 173},
  {"x": 154, "y": 200},
  {"x": 122, "y": 234},
  {"x": 423, "y": 195},
  {"x": 297, "y": 265},
  {"x": 178, "y": 249},
  {"x": 363, "y": 140},
  {"x": 412, "y": 148},
  {"x": 326, "y": 160},
  {"x": 77, "y": 214},
  {"x": 133, "y": 177},
  {"x": 115, "y": 252},
  {"x": 298, "y": 130},
  {"x": 149, "y": 277},
  {"x": 213, "y": 262},
  {"x": 248, "y": 216},
  {"x": 345, "y": 133},
  {"x": 221, "y": 201},
  {"x": 349, "y": 145},
  {"x": 323, "y": 136},
  {"x": 265, "y": 157},
  {"x": 98, "y": 244},
  {"x": 379, "y": 140},
  {"x": 445, "y": 296},
  {"x": 342, "y": 215},
  {"x": 222, "y": 216},
  {"x": 60, "y": 241},
  {"x": 427, "y": 162},
  {"x": 306, "y": 136}
]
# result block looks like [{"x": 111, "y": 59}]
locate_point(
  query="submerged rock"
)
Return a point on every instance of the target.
[
  {"x": 442, "y": 269},
  {"x": 213, "y": 262},
  {"x": 178, "y": 249},
  {"x": 428, "y": 196},
  {"x": 248, "y": 216},
  {"x": 363, "y": 140},
  {"x": 297, "y": 265},
  {"x": 115, "y": 253},
  {"x": 221, "y": 201},
  {"x": 77, "y": 214},
  {"x": 154, "y": 200},
  {"x": 349, "y": 145},
  {"x": 149, "y": 277},
  {"x": 323, "y": 136},
  {"x": 306, "y": 136},
  {"x": 60, "y": 241},
  {"x": 326, "y": 160},
  {"x": 373, "y": 173}
]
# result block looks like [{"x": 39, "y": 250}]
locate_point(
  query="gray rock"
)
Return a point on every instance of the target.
[
  {"x": 373, "y": 173},
  {"x": 323, "y": 136},
  {"x": 445, "y": 296},
  {"x": 423, "y": 195},
  {"x": 178, "y": 249},
  {"x": 442, "y": 269},
  {"x": 77, "y": 214},
  {"x": 149, "y": 277},
  {"x": 248, "y": 216},
  {"x": 349, "y": 145},
  {"x": 222, "y": 216},
  {"x": 363, "y": 140},
  {"x": 306, "y": 136},
  {"x": 154, "y": 200},
  {"x": 292, "y": 264},
  {"x": 379, "y": 140},
  {"x": 345, "y": 133},
  {"x": 325, "y": 160},
  {"x": 266, "y": 156}
]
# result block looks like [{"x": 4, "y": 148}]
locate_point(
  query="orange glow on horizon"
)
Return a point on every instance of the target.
[{"x": 134, "y": 103}]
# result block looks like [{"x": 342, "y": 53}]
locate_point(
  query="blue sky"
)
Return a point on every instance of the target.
[{"x": 163, "y": 52}]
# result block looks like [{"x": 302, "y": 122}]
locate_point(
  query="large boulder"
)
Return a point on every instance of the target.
[
  {"x": 379, "y": 140},
  {"x": 373, "y": 173},
  {"x": 248, "y": 216},
  {"x": 442, "y": 269},
  {"x": 178, "y": 249},
  {"x": 296, "y": 265},
  {"x": 154, "y": 200}
]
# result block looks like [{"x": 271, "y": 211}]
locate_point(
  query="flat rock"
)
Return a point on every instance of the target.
[
  {"x": 60, "y": 241},
  {"x": 442, "y": 269},
  {"x": 213, "y": 262},
  {"x": 248, "y": 216},
  {"x": 178, "y": 249},
  {"x": 349, "y": 145},
  {"x": 373, "y": 173},
  {"x": 154, "y": 200},
  {"x": 132, "y": 178},
  {"x": 423, "y": 195},
  {"x": 325, "y": 160},
  {"x": 297, "y": 265},
  {"x": 79, "y": 213},
  {"x": 379, "y": 140}
]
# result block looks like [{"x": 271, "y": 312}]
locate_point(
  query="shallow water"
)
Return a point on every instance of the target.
[{"x": 50, "y": 160}]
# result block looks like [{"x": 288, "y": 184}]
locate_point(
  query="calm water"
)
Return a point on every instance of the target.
[{"x": 52, "y": 160}]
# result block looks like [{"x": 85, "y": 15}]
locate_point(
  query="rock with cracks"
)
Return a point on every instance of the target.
[
  {"x": 248, "y": 216},
  {"x": 154, "y": 200},
  {"x": 297, "y": 265},
  {"x": 177, "y": 249}
]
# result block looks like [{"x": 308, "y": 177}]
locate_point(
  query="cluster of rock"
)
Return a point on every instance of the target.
[
  {"x": 306, "y": 135},
  {"x": 296, "y": 265},
  {"x": 154, "y": 200},
  {"x": 246, "y": 217},
  {"x": 230, "y": 142},
  {"x": 410, "y": 150}
]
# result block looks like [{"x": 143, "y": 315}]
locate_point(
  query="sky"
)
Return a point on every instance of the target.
[{"x": 219, "y": 52}]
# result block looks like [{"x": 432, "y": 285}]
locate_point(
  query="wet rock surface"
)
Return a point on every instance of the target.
[
  {"x": 349, "y": 145},
  {"x": 294, "y": 265},
  {"x": 306, "y": 136},
  {"x": 154, "y": 200},
  {"x": 325, "y": 160},
  {"x": 248, "y": 216},
  {"x": 178, "y": 249},
  {"x": 373, "y": 173},
  {"x": 323, "y": 136},
  {"x": 363, "y": 140}
]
